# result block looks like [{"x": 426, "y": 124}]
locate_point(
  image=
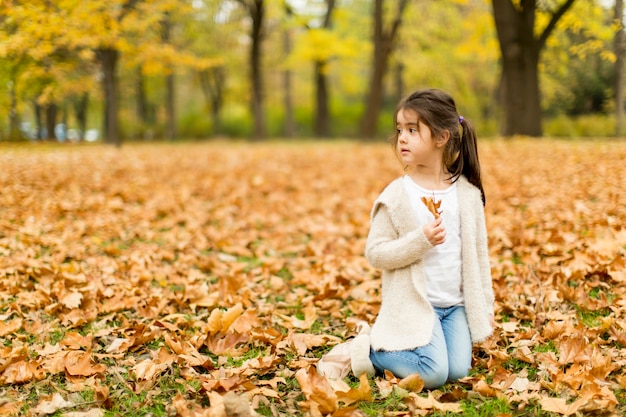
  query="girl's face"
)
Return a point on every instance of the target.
[{"x": 415, "y": 145}]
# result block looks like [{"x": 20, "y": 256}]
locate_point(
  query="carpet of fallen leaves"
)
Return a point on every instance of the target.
[{"x": 206, "y": 279}]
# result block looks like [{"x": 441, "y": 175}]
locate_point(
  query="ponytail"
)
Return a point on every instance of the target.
[{"x": 468, "y": 157}]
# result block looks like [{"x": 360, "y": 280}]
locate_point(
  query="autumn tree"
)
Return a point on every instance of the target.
[
  {"x": 85, "y": 29},
  {"x": 326, "y": 42},
  {"x": 521, "y": 45},
  {"x": 384, "y": 39},
  {"x": 322, "y": 111},
  {"x": 208, "y": 39},
  {"x": 107, "y": 52},
  {"x": 322, "y": 47},
  {"x": 256, "y": 12},
  {"x": 45, "y": 67}
]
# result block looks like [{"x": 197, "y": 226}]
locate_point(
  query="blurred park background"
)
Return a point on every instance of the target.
[{"x": 136, "y": 70}]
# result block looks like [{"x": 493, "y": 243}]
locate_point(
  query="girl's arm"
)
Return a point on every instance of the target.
[{"x": 386, "y": 250}]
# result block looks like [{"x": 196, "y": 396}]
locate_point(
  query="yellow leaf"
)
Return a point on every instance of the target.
[
  {"x": 363, "y": 392},
  {"x": 79, "y": 363},
  {"x": 317, "y": 390},
  {"x": 412, "y": 383},
  {"x": 72, "y": 299}
]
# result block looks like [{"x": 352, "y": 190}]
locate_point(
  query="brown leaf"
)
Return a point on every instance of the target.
[
  {"x": 22, "y": 371},
  {"x": 79, "y": 363},
  {"x": 11, "y": 326},
  {"x": 432, "y": 206},
  {"x": 457, "y": 394},
  {"x": 412, "y": 383},
  {"x": 223, "y": 344},
  {"x": 573, "y": 349},
  {"x": 484, "y": 389},
  {"x": 72, "y": 299},
  {"x": 317, "y": 390},
  {"x": 75, "y": 341},
  {"x": 560, "y": 405},
  {"x": 417, "y": 402},
  {"x": 220, "y": 321},
  {"x": 51, "y": 404},
  {"x": 362, "y": 392}
]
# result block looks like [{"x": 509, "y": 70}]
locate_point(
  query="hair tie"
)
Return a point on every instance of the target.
[{"x": 461, "y": 119}]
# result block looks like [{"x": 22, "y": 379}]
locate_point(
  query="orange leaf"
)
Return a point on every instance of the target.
[
  {"x": 432, "y": 206},
  {"x": 78, "y": 363},
  {"x": 74, "y": 340},
  {"x": 572, "y": 349},
  {"x": 317, "y": 389},
  {"x": 417, "y": 402},
  {"x": 22, "y": 371},
  {"x": 50, "y": 405},
  {"x": 11, "y": 326},
  {"x": 484, "y": 389},
  {"x": 412, "y": 383},
  {"x": 560, "y": 405},
  {"x": 361, "y": 393}
]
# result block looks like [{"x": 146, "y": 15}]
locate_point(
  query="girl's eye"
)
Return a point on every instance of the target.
[
  {"x": 398, "y": 131},
  {"x": 412, "y": 130}
]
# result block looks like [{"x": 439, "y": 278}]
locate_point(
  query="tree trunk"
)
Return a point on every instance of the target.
[
  {"x": 38, "y": 125},
  {"x": 521, "y": 49},
  {"x": 290, "y": 124},
  {"x": 170, "y": 106},
  {"x": 14, "y": 118},
  {"x": 289, "y": 128},
  {"x": 142, "y": 104},
  {"x": 383, "y": 47},
  {"x": 619, "y": 68},
  {"x": 520, "y": 59},
  {"x": 51, "y": 120},
  {"x": 322, "y": 114},
  {"x": 521, "y": 93},
  {"x": 170, "y": 95},
  {"x": 212, "y": 82},
  {"x": 399, "y": 81},
  {"x": 80, "y": 110},
  {"x": 108, "y": 59},
  {"x": 218, "y": 99},
  {"x": 257, "y": 14}
]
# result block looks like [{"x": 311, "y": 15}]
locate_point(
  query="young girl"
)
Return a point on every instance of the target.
[{"x": 437, "y": 296}]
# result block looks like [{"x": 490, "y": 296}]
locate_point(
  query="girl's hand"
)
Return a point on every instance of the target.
[{"x": 435, "y": 232}]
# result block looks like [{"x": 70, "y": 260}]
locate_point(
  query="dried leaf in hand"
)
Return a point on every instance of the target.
[{"x": 432, "y": 206}]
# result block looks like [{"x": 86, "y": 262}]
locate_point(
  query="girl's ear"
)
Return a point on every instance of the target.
[{"x": 443, "y": 138}]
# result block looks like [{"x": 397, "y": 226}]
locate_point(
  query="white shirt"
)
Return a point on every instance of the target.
[{"x": 442, "y": 264}]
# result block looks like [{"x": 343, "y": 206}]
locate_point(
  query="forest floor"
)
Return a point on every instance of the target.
[{"x": 207, "y": 279}]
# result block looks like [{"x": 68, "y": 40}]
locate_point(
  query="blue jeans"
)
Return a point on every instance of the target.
[{"x": 447, "y": 357}]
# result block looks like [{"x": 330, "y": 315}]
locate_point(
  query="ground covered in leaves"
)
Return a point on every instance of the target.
[{"x": 208, "y": 279}]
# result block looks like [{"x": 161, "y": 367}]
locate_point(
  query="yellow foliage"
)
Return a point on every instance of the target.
[{"x": 324, "y": 45}]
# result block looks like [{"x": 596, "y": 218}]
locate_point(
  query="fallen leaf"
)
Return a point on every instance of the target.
[
  {"x": 50, "y": 405},
  {"x": 79, "y": 363},
  {"x": 412, "y": 383},
  {"x": 317, "y": 390}
]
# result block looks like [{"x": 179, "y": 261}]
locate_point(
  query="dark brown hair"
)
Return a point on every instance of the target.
[{"x": 437, "y": 110}]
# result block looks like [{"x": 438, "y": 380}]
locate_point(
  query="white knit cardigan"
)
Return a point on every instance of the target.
[{"x": 396, "y": 244}]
